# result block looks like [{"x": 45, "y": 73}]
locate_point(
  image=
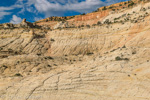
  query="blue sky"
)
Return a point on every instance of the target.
[{"x": 14, "y": 11}]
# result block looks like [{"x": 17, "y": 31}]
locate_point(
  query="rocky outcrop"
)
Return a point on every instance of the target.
[
  {"x": 8, "y": 25},
  {"x": 23, "y": 24},
  {"x": 26, "y": 24}
]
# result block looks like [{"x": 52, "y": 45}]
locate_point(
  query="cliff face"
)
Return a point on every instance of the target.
[
  {"x": 107, "y": 61},
  {"x": 90, "y": 19}
]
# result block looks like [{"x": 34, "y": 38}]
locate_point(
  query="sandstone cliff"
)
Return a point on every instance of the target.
[{"x": 106, "y": 61}]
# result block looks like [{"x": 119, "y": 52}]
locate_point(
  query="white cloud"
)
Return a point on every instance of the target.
[
  {"x": 15, "y": 19},
  {"x": 2, "y": 14},
  {"x": 58, "y": 7},
  {"x": 4, "y": 11},
  {"x": 7, "y": 10},
  {"x": 37, "y": 18},
  {"x": 86, "y": 6}
]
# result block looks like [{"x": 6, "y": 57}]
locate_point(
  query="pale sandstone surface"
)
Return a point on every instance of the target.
[{"x": 107, "y": 62}]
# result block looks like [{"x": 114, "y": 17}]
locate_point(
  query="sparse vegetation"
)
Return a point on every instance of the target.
[
  {"x": 52, "y": 40},
  {"x": 83, "y": 14},
  {"x": 82, "y": 25},
  {"x": 99, "y": 23},
  {"x": 104, "y": 8},
  {"x": 133, "y": 52},
  {"x": 94, "y": 25},
  {"x": 119, "y": 58},
  {"x": 124, "y": 46},
  {"x": 18, "y": 75},
  {"x": 4, "y": 66},
  {"x": 131, "y": 3},
  {"x": 48, "y": 57},
  {"x": 89, "y": 53},
  {"x": 96, "y": 10},
  {"x": 107, "y": 21},
  {"x": 88, "y": 26},
  {"x": 113, "y": 9},
  {"x": 1, "y": 48},
  {"x": 49, "y": 66}
]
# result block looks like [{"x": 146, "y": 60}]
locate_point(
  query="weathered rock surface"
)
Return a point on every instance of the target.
[{"x": 109, "y": 61}]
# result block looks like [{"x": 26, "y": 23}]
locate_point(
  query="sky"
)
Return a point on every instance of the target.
[{"x": 13, "y": 11}]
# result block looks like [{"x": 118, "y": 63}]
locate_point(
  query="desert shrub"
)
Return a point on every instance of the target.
[
  {"x": 89, "y": 53},
  {"x": 126, "y": 59},
  {"x": 134, "y": 52},
  {"x": 113, "y": 9},
  {"x": 104, "y": 8},
  {"x": 88, "y": 26},
  {"x": 52, "y": 40},
  {"x": 94, "y": 25},
  {"x": 118, "y": 58},
  {"x": 5, "y": 66},
  {"x": 1, "y": 48},
  {"x": 113, "y": 50},
  {"x": 82, "y": 25},
  {"x": 99, "y": 23},
  {"x": 39, "y": 36},
  {"x": 48, "y": 57},
  {"x": 124, "y": 46},
  {"x": 110, "y": 7},
  {"x": 10, "y": 50},
  {"x": 65, "y": 18},
  {"x": 131, "y": 4},
  {"x": 46, "y": 20},
  {"x": 83, "y": 14},
  {"x": 18, "y": 75},
  {"x": 107, "y": 21},
  {"x": 49, "y": 66},
  {"x": 96, "y": 10}
]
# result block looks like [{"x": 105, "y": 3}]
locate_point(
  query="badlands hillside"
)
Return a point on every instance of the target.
[{"x": 103, "y": 55}]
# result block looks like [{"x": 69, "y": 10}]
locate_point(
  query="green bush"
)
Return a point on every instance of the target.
[
  {"x": 127, "y": 59},
  {"x": 118, "y": 58},
  {"x": 90, "y": 53},
  {"x": 134, "y": 52},
  {"x": 88, "y": 26},
  {"x": 104, "y": 8},
  {"x": 131, "y": 4},
  {"x": 18, "y": 75},
  {"x": 94, "y": 25},
  {"x": 110, "y": 7},
  {"x": 124, "y": 46},
  {"x": 82, "y": 25},
  {"x": 83, "y": 14},
  {"x": 99, "y": 23},
  {"x": 113, "y": 9}
]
